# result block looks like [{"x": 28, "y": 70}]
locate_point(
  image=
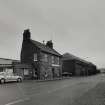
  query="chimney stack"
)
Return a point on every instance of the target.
[
  {"x": 26, "y": 34},
  {"x": 49, "y": 44}
]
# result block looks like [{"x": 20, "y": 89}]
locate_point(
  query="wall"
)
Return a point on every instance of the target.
[
  {"x": 27, "y": 56},
  {"x": 19, "y": 69},
  {"x": 46, "y": 67},
  {"x": 27, "y": 52},
  {"x": 68, "y": 66}
]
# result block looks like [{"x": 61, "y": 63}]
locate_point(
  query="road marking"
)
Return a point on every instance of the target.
[{"x": 17, "y": 101}]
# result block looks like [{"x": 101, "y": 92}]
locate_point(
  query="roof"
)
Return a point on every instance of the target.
[
  {"x": 45, "y": 48},
  {"x": 5, "y": 61},
  {"x": 68, "y": 56},
  {"x": 9, "y": 59}
]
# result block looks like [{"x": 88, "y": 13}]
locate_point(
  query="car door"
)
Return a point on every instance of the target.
[
  {"x": 13, "y": 77},
  {"x": 8, "y": 77}
]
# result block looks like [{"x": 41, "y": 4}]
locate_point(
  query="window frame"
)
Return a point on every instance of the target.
[
  {"x": 46, "y": 57},
  {"x": 52, "y": 59},
  {"x": 35, "y": 57}
]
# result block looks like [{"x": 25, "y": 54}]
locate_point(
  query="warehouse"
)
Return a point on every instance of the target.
[{"x": 77, "y": 66}]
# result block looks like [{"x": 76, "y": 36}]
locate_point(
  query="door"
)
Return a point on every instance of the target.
[
  {"x": 35, "y": 74},
  {"x": 8, "y": 77},
  {"x": 53, "y": 72}
]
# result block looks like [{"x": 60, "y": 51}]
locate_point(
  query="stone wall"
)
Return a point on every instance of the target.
[{"x": 46, "y": 67}]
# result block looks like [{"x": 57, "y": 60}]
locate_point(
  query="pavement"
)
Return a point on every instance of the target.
[{"x": 74, "y": 91}]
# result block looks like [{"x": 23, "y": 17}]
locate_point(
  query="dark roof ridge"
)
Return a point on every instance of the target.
[{"x": 75, "y": 57}]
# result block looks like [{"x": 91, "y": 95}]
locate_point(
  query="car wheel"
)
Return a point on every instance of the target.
[
  {"x": 19, "y": 80},
  {"x": 2, "y": 81}
]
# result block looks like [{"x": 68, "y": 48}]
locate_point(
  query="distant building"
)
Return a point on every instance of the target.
[
  {"x": 13, "y": 66},
  {"x": 44, "y": 60},
  {"x": 102, "y": 70},
  {"x": 6, "y": 65},
  {"x": 77, "y": 66}
]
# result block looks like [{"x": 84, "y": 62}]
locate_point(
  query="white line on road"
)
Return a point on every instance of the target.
[{"x": 17, "y": 101}]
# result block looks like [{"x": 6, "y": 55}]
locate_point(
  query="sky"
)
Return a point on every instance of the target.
[{"x": 75, "y": 26}]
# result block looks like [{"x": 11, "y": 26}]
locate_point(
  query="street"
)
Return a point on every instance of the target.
[{"x": 59, "y": 92}]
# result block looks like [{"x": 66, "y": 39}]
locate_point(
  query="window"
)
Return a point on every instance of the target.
[
  {"x": 53, "y": 60},
  {"x": 35, "y": 57},
  {"x": 45, "y": 57},
  {"x": 26, "y": 72},
  {"x": 58, "y": 61},
  {"x": 1, "y": 69}
]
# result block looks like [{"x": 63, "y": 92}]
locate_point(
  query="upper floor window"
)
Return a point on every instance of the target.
[
  {"x": 53, "y": 61},
  {"x": 45, "y": 57},
  {"x": 58, "y": 60},
  {"x": 35, "y": 57}
]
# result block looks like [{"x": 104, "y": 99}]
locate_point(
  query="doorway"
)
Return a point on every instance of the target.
[
  {"x": 35, "y": 74},
  {"x": 53, "y": 72}
]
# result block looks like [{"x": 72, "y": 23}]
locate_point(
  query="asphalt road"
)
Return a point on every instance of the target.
[{"x": 59, "y": 92}]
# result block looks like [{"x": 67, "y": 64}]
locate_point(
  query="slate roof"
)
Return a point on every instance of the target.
[
  {"x": 68, "y": 56},
  {"x": 45, "y": 48}
]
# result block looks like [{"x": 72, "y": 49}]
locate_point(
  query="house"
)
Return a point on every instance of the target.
[
  {"x": 77, "y": 66},
  {"x": 43, "y": 58}
]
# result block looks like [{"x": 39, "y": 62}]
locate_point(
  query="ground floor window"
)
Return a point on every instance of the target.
[
  {"x": 26, "y": 72},
  {"x": 1, "y": 69}
]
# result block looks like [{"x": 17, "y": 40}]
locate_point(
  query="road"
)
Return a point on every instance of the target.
[{"x": 59, "y": 92}]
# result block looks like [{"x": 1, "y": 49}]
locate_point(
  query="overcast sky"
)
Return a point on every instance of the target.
[{"x": 75, "y": 26}]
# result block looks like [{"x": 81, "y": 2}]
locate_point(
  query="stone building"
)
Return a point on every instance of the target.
[
  {"x": 77, "y": 66},
  {"x": 45, "y": 61}
]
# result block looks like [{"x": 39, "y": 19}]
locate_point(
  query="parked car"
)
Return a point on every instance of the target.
[
  {"x": 7, "y": 77},
  {"x": 66, "y": 74}
]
